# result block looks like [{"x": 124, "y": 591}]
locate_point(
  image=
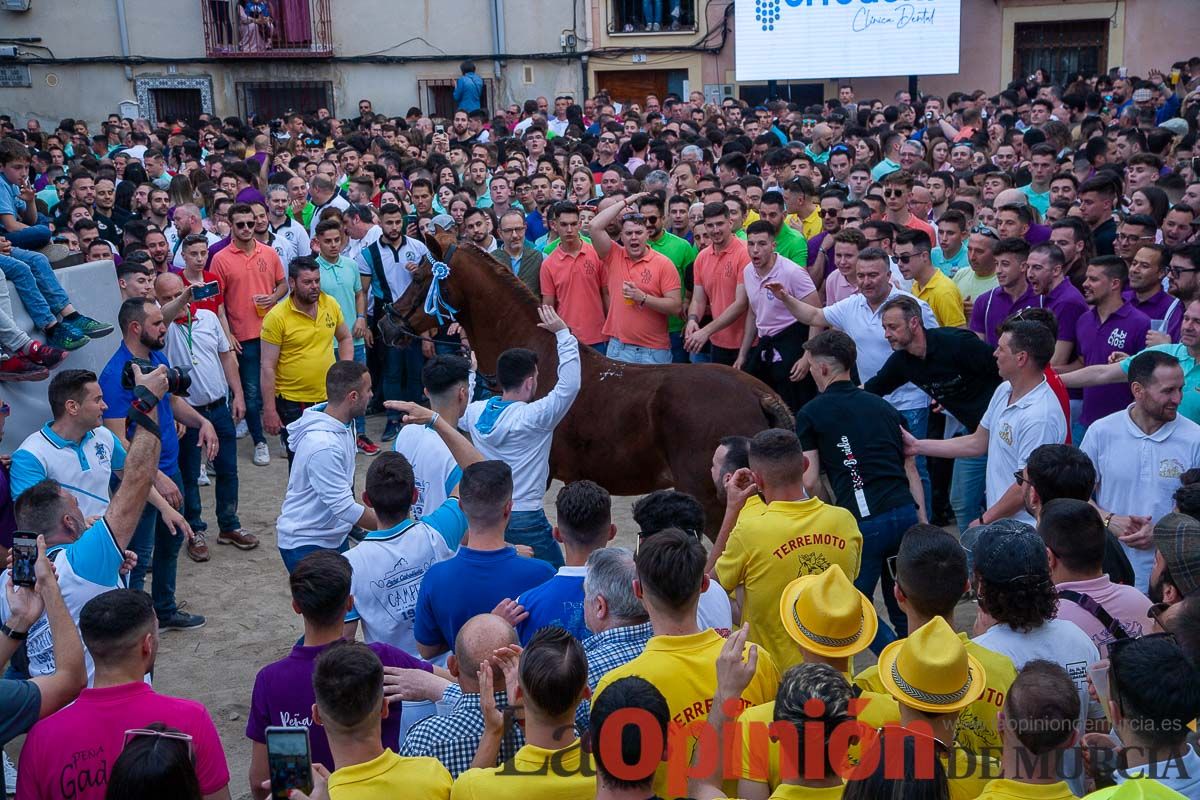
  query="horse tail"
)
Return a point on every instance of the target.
[{"x": 776, "y": 411}]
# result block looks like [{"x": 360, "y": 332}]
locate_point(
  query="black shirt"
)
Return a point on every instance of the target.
[
  {"x": 958, "y": 371},
  {"x": 1104, "y": 236},
  {"x": 857, "y": 437}
]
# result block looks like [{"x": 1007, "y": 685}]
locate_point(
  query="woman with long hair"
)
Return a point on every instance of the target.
[
  {"x": 1151, "y": 201},
  {"x": 583, "y": 186},
  {"x": 156, "y": 762},
  {"x": 181, "y": 190}
]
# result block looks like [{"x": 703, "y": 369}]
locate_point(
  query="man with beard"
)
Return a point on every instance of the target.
[
  {"x": 298, "y": 337},
  {"x": 1071, "y": 235},
  {"x": 1146, "y": 272},
  {"x": 186, "y": 222},
  {"x": 158, "y": 534},
  {"x": 281, "y": 224},
  {"x": 159, "y": 251},
  {"x": 677, "y": 250}
]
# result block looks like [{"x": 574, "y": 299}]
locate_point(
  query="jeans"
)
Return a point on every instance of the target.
[
  {"x": 12, "y": 338},
  {"x": 153, "y": 538},
  {"x": 600, "y": 347},
  {"x": 918, "y": 426},
  {"x": 881, "y": 538},
  {"x": 633, "y": 354},
  {"x": 289, "y": 411},
  {"x": 968, "y": 489},
  {"x": 293, "y": 556},
  {"x": 34, "y": 280},
  {"x": 678, "y": 354},
  {"x": 532, "y": 528},
  {"x": 249, "y": 364},
  {"x": 360, "y": 355},
  {"x": 35, "y": 237},
  {"x": 402, "y": 376},
  {"x": 225, "y": 464},
  {"x": 652, "y": 12}
]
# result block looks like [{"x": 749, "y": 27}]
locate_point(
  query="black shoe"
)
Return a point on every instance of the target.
[{"x": 180, "y": 621}]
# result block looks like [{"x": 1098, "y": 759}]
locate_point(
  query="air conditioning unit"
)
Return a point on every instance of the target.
[
  {"x": 8, "y": 51},
  {"x": 15, "y": 5}
]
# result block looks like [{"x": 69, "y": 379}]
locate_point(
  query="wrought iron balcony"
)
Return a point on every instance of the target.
[{"x": 267, "y": 28}]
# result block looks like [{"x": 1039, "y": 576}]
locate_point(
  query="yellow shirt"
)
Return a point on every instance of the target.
[
  {"x": 810, "y": 226},
  {"x": 942, "y": 295},
  {"x": 767, "y": 551},
  {"x": 969, "y": 774},
  {"x": 532, "y": 773},
  {"x": 305, "y": 345},
  {"x": 391, "y": 775},
  {"x": 874, "y": 711},
  {"x": 1005, "y": 789},
  {"x": 786, "y": 792},
  {"x": 684, "y": 668},
  {"x": 978, "y": 725}
]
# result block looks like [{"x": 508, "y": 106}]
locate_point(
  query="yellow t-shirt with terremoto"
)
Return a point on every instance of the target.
[
  {"x": 391, "y": 775},
  {"x": 684, "y": 669},
  {"x": 979, "y": 723},
  {"x": 767, "y": 551}
]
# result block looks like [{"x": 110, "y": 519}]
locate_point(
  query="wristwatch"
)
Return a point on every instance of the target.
[{"x": 16, "y": 636}]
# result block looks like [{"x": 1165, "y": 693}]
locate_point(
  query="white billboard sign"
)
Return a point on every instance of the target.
[{"x": 818, "y": 39}]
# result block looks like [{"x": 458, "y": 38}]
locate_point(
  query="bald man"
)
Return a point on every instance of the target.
[
  {"x": 196, "y": 339},
  {"x": 454, "y": 738},
  {"x": 186, "y": 221}
]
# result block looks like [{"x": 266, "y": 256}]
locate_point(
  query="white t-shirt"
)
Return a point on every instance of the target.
[
  {"x": 1014, "y": 431},
  {"x": 389, "y": 566},
  {"x": 435, "y": 471},
  {"x": 294, "y": 232},
  {"x": 285, "y": 247},
  {"x": 398, "y": 277},
  {"x": 854, "y": 316},
  {"x": 176, "y": 244},
  {"x": 1139, "y": 473},
  {"x": 714, "y": 610},
  {"x": 1064, "y": 643},
  {"x": 337, "y": 201}
]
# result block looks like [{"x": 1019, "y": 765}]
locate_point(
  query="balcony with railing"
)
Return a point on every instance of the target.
[{"x": 267, "y": 28}]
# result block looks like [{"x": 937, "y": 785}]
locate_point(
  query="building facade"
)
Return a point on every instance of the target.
[{"x": 158, "y": 58}]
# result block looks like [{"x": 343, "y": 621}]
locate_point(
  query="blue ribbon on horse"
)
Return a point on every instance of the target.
[{"x": 436, "y": 305}]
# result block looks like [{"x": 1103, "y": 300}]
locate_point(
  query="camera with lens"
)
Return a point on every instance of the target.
[{"x": 179, "y": 379}]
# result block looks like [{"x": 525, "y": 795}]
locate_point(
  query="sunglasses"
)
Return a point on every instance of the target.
[
  {"x": 644, "y": 535},
  {"x": 243, "y": 224},
  {"x": 839, "y": 148},
  {"x": 5, "y": 409},
  {"x": 1155, "y": 613},
  {"x": 609, "y": 139},
  {"x": 179, "y": 736},
  {"x": 984, "y": 230},
  {"x": 829, "y": 212},
  {"x": 893, "y": 192},
  {"x": 633, "y": 218},
  {"x": 907, "y": 257}
]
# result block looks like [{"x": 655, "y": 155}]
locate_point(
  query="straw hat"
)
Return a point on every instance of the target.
[
  {"x": 827, "y": 615},
  {"x": 931, "y": 670}
]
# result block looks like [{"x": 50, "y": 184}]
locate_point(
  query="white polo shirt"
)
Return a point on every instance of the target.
[
  {"x": 294, "y": 232},
  {"x": 853, "y": 316},
  {"x": 337, "y": 201},
  {"x": 83, "y": 468},
  {"x": 285, "y": 247},
  {"x": 398, "y": 277},
  {"x": 198, "y": 344},
  {"x": 435, "y": 472},
  {"x": 1014, "y": 431},
  {"x": 1139, "y": 472}
]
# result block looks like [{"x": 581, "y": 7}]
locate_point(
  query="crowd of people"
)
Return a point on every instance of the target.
[{"x": 982, "y": 309}]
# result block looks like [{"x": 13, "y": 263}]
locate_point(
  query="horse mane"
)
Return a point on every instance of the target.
[{"x": 524, "y": 295}]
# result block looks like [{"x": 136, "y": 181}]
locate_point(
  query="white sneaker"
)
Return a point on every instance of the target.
[
  {"x": 242, "y": 430},
  {"x": 202, "y": 478},
  {"x": 262, "y": 454},
  {"x": 10, "y": 775}
]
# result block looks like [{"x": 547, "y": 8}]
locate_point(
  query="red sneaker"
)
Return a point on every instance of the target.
[
  {"x": 46, "y": 355},
  {"x": 20, "y": 368},
  {"x": 366, "y": 446}
]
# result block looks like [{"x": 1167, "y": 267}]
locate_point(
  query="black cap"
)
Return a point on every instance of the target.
[{"x": 1008, "y": 550}]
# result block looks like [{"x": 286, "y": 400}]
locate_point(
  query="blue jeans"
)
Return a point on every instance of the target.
[
  {"x": 402, "y": 375},
  {"x": 360, "y": 355},
  {"x": 600, "y": 347},
  {"x": 249, "y": 365},
  {"x": 652, "y": 11},
  {"x": 678, "y": 354},
  {"x": 968, "y": 487},
  {"x": 918, "y": 426},
  {"x": 35, "y": 237},
  {"x": 31, "y": 275},
  {"x": 881, "y": 538},
  {"x": 633, "y": 354},
  {"x": 293, "y": 556},
  {"x": 532, "y": 528},
  {"x": 225, "y": 464},
  {"x": 153, "y": 538}
]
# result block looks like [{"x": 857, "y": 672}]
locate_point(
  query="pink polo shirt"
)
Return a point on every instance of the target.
[
  {"x": 770, "y": 314},
  {"x": 1126, "y": 604},
  {"x": 71, "y": 753}
]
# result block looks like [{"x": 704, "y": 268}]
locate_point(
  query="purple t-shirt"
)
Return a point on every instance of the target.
[
  {"x": 994, "y": 306},
  {"x": 1123, "y": 332},
  {"x": 1068, "y": 306},
  {"x": 1164, "y": 310},
  {"x": 250, "y": 195},
  {"x": 8, "y": 522},
  {"x": 1037, "y": 234},
  {"x": 283, "y": 695}
]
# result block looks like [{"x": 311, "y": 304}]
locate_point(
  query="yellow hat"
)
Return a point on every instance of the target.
[
  {"x": 931, "y": 670},
  {"x": 827, "y": 615}
]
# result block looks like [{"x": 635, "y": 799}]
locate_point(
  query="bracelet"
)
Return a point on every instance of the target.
[
  {"x": 362, "y": 316},
  {"x": 16, "y": 636},
  {"x": 1108, "y": 519},
  {"x": 432, "y": 422}
]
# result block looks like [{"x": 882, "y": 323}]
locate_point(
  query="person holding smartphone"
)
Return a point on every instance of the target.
[{"x": 22, "y": 703}]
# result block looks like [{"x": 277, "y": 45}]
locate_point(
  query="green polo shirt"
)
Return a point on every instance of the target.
[
  {"x": 681, "y": 254},
  {"x": 791, "y": 244}
]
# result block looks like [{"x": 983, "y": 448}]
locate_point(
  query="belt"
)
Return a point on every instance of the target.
[{"x": 210, "y": 406}]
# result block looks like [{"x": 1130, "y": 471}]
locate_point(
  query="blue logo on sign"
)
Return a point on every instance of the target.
[{"x": 766, "y": 12}]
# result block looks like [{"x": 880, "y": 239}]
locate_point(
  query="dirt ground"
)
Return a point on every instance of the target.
[{"x": 250, "y": 622}]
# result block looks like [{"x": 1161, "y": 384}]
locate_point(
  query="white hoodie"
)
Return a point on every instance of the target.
[
  {"x": 522, "y": 433},
  {"x": 319, "y": 508}
]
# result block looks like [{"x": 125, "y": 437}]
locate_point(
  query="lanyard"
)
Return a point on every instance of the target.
[{"x": 187, "y": 334}]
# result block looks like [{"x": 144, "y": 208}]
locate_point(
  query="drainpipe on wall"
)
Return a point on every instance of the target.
[
  {"x": 123, "y": 30},
  {"x": 498, "y": 45}
]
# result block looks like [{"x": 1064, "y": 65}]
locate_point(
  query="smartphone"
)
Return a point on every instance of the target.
[
  {"x": 289, "y": 761},
  {"x": 439, "y": 128},
  {"x": 205, "y": 290},
  {"x": 24, "y": 557}
]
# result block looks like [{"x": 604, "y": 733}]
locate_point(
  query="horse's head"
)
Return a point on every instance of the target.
[{"x": 408, "y": 316}]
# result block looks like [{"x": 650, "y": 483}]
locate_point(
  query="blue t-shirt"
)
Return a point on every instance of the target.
[
  {"x": 558, "y": 601},
  {"x": 119, "y": 399},
  {"x": 10, "y": 198},
  {"x": 949, "y": 266},
  {"x": 471, "y": 583}
]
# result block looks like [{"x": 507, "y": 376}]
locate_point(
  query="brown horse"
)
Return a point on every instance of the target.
[{"x": 633, "y": 428}]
